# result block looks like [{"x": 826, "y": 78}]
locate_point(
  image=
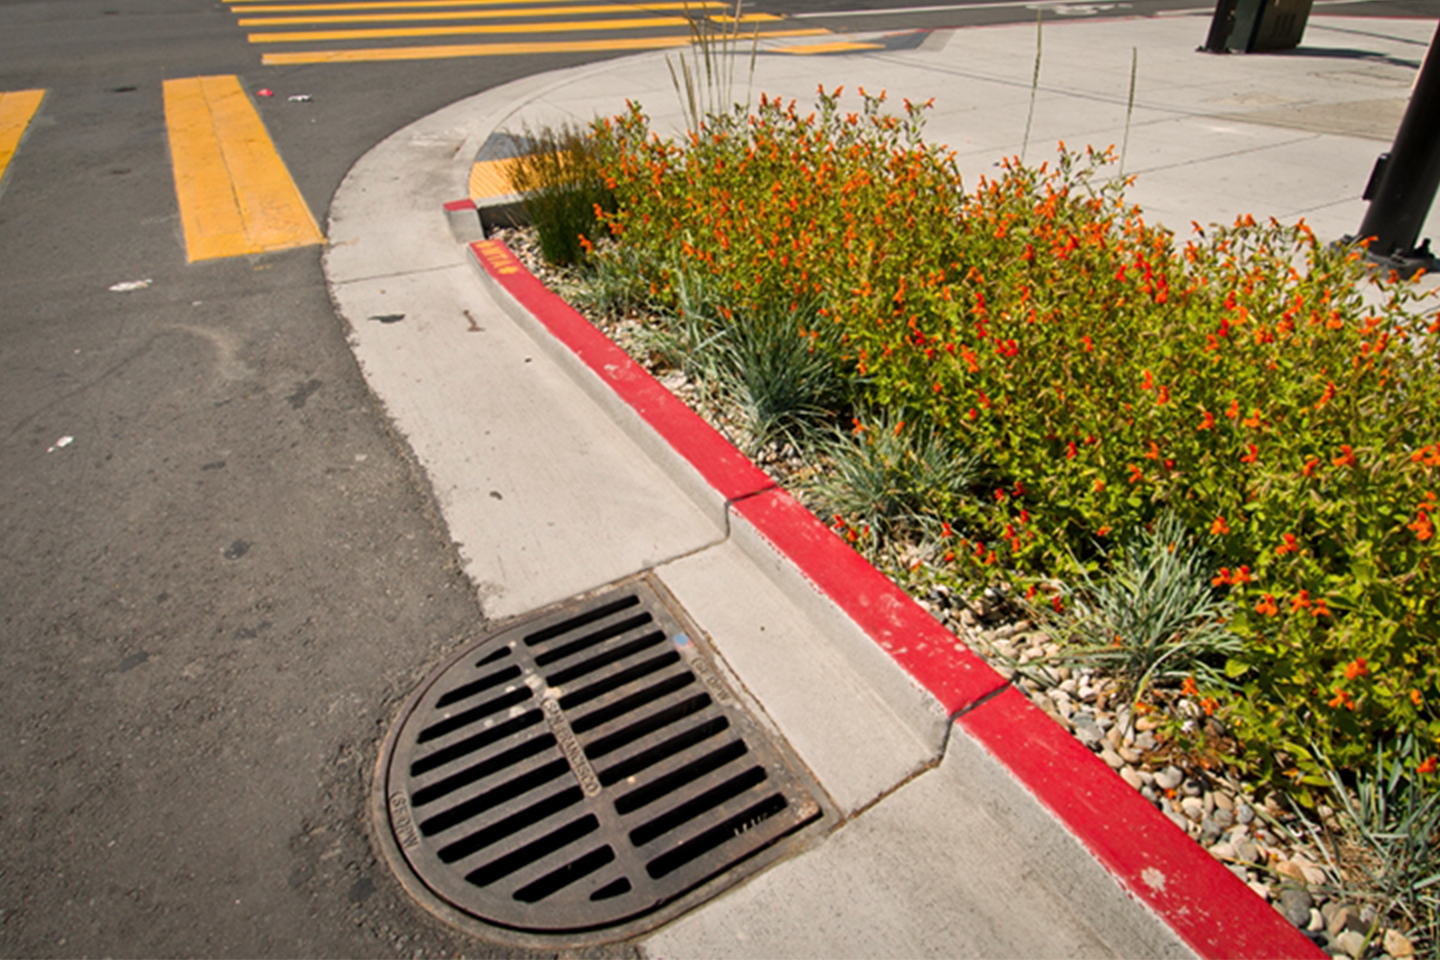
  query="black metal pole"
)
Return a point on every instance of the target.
[
  {"x": 1404, "y": 181},
  {"x": 1220, "y": 26}
]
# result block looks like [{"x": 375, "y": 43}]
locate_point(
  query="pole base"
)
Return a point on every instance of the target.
[{"x": 1405, "y": 263}]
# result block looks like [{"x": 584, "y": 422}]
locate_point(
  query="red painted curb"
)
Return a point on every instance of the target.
[
  {"x": 456, "y": 205},
  {"x": 932, "y": 655},
  {"x": 1210, "y": 908},
  {"x": 726, "y": 469},
  {"x": 1205, "y": 904}
]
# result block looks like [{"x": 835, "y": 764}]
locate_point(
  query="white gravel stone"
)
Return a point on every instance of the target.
[{"x": 1351, "y": 942}]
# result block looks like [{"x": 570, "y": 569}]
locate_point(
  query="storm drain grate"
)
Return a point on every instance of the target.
[{"x": 582, "y": 768}]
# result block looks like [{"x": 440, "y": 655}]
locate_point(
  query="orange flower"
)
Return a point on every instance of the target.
[
  {"x": 1416, "y": 698},
  {"x": 1346, "y": 458},
  {"x": 1219, "y": 527},
  {"x": 1188, "y": 687},
  {"x": 1356, "y": 668},
  {"x": 1164, "y": 396},
  {"x": 1243, "y": 576},
  {"x": 1222, "y": 578},
  {"x": 1289, "y": 546},
  {"x": 1342, "y": 699},
  {"x": 1234, "y": 410},
  {"x": 1252, "y": 455},
  {"x": 1310, "y": 466},
  {"x": 1422, "y": 526},
  {"x": 1428, "y": 766},
  {"x": 1207, "y": 420},
  {"x": 1327, "y": 396},
  {"x": 1099, "y": 485},
  {"x": 1136, "y": 475},
  {"x": 1252, "y": 421},
  {"x": 1267, "y": 606},
  {"x": 1321, "y": 610},
  {"x": 1300, "y": 602}
]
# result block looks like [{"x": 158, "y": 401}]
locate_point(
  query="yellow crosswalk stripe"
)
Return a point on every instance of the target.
[
  {"x": 439, "y": 52},
  {"x": 16, "y": 110},
  {"x": 841, "y": 47},
  {"x": 546, "y": 11},
  {"x": 567, "y": 26},
  {"x": 235, "y": 195},
  {"x": 407, "y": 5}
]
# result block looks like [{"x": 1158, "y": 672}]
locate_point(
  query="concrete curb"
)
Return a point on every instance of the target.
[{"x": 1206, "y": 905}]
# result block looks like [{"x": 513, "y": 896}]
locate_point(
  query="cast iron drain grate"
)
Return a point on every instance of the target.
[{"x": 580, "y": 770}]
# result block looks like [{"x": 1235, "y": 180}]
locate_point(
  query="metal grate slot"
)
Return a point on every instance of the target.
[
  {"x": 580, "y": 620},
  {"x": 606, "y": 776},
  {"x": 615, "y": 888},
  {"x": 599, "y": 662},
  {"x": 660, "y": 720},
  {"x": 473, "y": 743},
  {"x": 707, "y": 801},
  {"x": 511, "y": 825},
  {"x": 603, "y": 715},
  {"x": 494, "y": 657},
  {"x": 670, "y": 782},
  {"x": 558, "y": 880},
  {"x": 586, "y": 642},
  {"x": 479, "y": 686},
  {"x": 480, "y": 771},
  {"x": 664, "y": 750},
  {"x": 475, "y": 713},
  {"x": 597, "y": 690},
  {"x": 507, "y": 791},
  {"x": 533, "y": 851},
  {"x": 743, "y": 822}
]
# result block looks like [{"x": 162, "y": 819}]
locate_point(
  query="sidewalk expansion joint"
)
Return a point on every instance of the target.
[
  {"x": 978, "y": 702},
  {"x": 398, "y": 273}
]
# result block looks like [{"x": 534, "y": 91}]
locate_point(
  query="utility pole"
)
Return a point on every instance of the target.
[{"x": 1402, "y": 185}]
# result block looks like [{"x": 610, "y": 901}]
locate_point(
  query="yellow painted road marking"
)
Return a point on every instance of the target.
[
  {"x": 236, "y": 197},
  {"x": 546, "y": 11},
  {"x": 841, "y": 47},
  {"x": 16, "y": 110},
  {"x": 447, "y": 52},
  {"x": 567, "y": 26},
  {"x": 404, "y": 5}
]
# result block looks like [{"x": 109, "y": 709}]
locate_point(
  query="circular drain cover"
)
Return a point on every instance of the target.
[{"x": 583, "y": 770}]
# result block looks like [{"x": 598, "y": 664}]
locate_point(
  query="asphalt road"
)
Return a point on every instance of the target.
[{"x": 215, "y": 596}]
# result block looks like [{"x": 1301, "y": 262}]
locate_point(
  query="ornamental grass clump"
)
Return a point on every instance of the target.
[{"x": 1248, "y": 381}]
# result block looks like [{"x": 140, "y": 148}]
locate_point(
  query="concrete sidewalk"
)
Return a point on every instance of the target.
[{"x": 970, "y": 825}]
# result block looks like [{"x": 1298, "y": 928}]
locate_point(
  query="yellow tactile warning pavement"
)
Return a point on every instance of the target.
[
  {"x": 354, "y": 31},
  {"x": 16, "y": 110},
  {"x": 236, "y": 197},
  {"x": 490, "y": 179}
]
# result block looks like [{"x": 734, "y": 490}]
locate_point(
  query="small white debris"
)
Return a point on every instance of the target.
[
  {"x": 128, "y": 285},
  {"x": 62, "y": 442},
  {"x": 300, "y": 98}
]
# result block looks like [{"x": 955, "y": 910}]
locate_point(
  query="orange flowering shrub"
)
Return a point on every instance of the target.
[{"x": 1105, "y": 373}]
